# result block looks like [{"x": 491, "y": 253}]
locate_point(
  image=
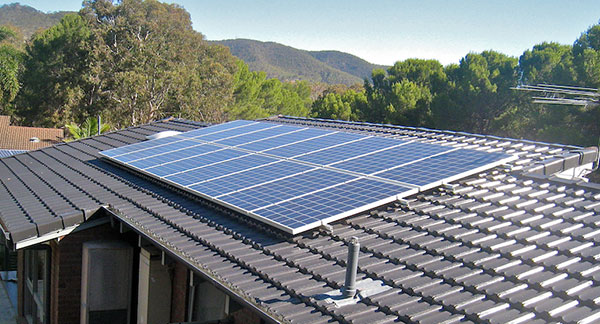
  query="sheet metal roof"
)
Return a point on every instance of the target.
[{"x": 512, "y": 244}]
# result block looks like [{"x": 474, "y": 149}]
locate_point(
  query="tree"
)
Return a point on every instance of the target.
[
  {"x": 548, "y": 63},
  {"x": 255, "y": 96},
  {"x": 586, "y": 51},
  {"x": 11, "y": 60},
  {"x": 345, "y": 106},
  {"x": 142, "y": 51},
  {"x": 482, "y": 90},
  {"x": 88, "y": 128},
  {"x": 403, "y": 95},
  {"x": 56, "y": 84}
]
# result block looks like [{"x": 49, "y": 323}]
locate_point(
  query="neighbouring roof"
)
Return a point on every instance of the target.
[
  {"x": 27, "y": 138},
  {"x": 6, "y": 153},
  {"x": 512, "y": 244}
]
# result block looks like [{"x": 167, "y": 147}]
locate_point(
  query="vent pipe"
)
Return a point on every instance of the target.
[{"x": 349, "y": 289}]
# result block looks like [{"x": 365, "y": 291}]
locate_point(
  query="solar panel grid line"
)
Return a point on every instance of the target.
[
  {"x": 266, "y": 182},
  {"x": 238, "y": 135},
  {"x": 252, "y": 178},
  {"x": 361, "y": 209},
  {"x": 411, "y": 162},
  {"x": 228, "y": 166},
  {"x": 189, "y": 158},
  {"x": 138, "y": 147},
  {"x": 264, "y": 134},
  {"x": 236, "y": 172},
  {"x": 318, "y": 210},
  {"x": 369, "y": 153},
  {"x": 321, "y": 149},
  {"x": 214, "y": 129},
  {"x": 168, "y": 152},
  {"x": 467, "y": 172},
  {"x": 274, "y": 136},
  {"x": 227, "y": 133},
  {"x": 295, "y": 142},
  {"x": 168, "y": 140},
  {"x": 309, "y": 193}
]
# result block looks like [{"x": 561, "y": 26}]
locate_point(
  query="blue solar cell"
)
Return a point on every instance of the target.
[
  {"x": 346, "y": 151},
  {"x": 234, "y": 132},
  {"x": 195, "y": 162},
  {"x": 157, "y": 149},
  {"x": 250, "y": 178},
  {"x": 440, "y": 167},
  {"x": 216, "y": 128},
  {"x": 314, "y": 144},
  {"x": 139, "y": 146},
  {"x": 206, "y": 172},
  {"x": 331, "y": 202},
  {"x": 392, "y": 157},
  {"x": 287, "y": 188},
  {"x": 173, "y": 156},
  {"x": 285, "y": 139},
  {"x": 256, "y": 136}
]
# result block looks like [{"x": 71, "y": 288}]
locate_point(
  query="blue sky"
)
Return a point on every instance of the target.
[{"x": 386, "y": 31}]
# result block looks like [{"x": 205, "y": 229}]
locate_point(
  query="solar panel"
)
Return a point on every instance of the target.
[{"x": 298, "y": 178}]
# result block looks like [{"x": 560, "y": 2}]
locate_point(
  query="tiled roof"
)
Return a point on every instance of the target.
[
  {"x": 510, "y": 245},
  {"x": 19, "y": 137}
]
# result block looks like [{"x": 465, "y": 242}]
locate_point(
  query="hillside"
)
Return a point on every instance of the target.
[
  {"x": 346, "y": 62},
  {"x": 288, "y": 63},
  {"x": 27, "y": 19}
]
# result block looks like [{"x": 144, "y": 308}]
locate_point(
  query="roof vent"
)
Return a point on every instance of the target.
[
  {"x": 349, "y": 290},
  {"x": 34, "y": 140},
  {"x": 162, "y": 134}
]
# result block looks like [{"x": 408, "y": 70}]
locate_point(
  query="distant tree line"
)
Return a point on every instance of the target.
[
  {"x": 475, "y": 95},
  {"x": 140, "y": 60}
]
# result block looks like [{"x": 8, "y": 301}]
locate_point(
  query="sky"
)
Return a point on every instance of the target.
[{"x": 386, "y": 31}]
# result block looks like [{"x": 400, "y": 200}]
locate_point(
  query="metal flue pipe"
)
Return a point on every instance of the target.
[{"x": 349, "y": 290}]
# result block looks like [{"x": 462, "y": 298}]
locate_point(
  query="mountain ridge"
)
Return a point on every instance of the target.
[
  {"x": 276, "y": 60},
  {"x": 288, "y": 63},
  {"x": 28, "y": 19}
]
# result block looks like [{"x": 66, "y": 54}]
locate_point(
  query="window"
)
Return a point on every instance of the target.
[{"x": 36, "y": 285}]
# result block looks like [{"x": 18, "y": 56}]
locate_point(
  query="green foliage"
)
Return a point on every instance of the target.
[
  {"x": 6, "y": 33},
  {"x": 259, "y": 97},
  {"x": 88, "y": 128},
  {"x": 586, "y": 51},
  {"x": 549, "y": 63},
  {"x": 342, "y": 106},
  {"x": 11, "y": 60},
  {"x": 402, "y": 96},
  {"x": 482, "y": 90},
  {"x": 56, "y": 86}
]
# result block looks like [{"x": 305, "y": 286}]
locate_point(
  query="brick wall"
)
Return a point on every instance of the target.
[{"x": 179, "y": 292}]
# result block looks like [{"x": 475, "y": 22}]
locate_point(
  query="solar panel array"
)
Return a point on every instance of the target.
[{"x": 298, "y": 178}]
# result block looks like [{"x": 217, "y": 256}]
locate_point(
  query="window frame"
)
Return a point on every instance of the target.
[{"x": 35, "y": 305}]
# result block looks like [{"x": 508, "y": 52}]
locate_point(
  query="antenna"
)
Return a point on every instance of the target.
[{"x": 562, "y": 95}]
